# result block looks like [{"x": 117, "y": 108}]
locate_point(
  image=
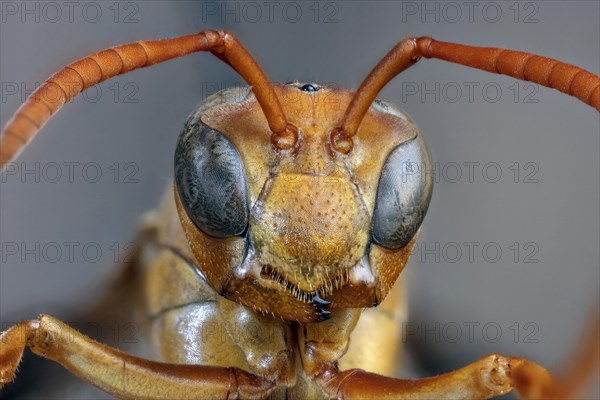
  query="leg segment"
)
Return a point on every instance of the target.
[
  {"x": 80, "y": 75},
  {"x": 491, "y": 376},
  {"x": 323, "y": 344},
  {"x": 564, "y": 77},
  {"x": 119, "y": 374}
]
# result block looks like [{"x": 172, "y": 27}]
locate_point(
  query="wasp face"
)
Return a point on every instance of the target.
[{"x": 308, "y": 229}]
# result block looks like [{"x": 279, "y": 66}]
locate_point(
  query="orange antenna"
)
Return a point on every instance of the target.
[
  {"x": 80, "y": 75},
  {"x": 548, "y": 72}
]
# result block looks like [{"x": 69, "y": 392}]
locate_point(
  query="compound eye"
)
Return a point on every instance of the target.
[
  {"x": 403, "y": 194},
  {"x": 211, "y": 181}
]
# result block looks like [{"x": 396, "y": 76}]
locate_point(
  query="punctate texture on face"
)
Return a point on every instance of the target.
[{"x": 309, "y": 233}]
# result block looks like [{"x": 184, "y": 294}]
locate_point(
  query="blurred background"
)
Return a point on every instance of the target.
[{"x": 508, "y": 256}]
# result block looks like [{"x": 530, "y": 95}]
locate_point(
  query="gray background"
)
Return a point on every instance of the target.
[{"x": 559, "y": 213}]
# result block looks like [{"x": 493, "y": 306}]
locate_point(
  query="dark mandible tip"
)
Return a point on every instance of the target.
[{"x": 318, "y": 301}]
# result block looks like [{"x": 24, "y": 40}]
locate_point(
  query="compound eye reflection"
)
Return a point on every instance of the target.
[
  {"x": 403, "y": 194},
  {"x": 211, "y": 181}
]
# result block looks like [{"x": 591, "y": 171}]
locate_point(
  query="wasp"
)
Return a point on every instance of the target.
[{"x": 293, "y": 208}]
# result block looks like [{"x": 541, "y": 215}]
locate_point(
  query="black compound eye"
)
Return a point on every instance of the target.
[
  {"x": 211, "y": 181},
  {"x": 403, "y": 194}
]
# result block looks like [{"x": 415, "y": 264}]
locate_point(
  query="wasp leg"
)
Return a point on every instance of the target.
[
  {"x": 120, "y": 374},
  {"x": 323, "y": 344},
  {"x": 490, "y": 376}
]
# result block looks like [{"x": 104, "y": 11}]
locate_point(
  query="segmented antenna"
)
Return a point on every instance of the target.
[
  {"x": 80, "y": 75},
  {"x": 566, "y": 78}
]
